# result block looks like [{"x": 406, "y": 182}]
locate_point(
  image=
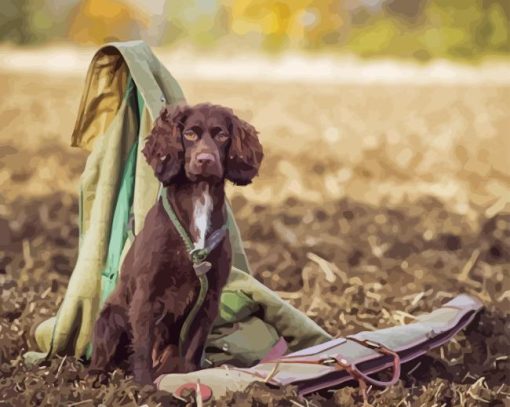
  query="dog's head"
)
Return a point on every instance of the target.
[{"x": 203, "y": 142}]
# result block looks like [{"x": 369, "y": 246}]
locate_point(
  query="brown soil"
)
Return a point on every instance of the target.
[{"x": 398, "y": 215}]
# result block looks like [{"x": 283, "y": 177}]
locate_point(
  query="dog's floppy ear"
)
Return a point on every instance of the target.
[
  {"x": 245, "y": 153},
  {"x": 163, "y": 149}
]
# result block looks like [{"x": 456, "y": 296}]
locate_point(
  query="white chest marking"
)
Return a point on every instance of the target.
[{"x": 202, "y": 206}]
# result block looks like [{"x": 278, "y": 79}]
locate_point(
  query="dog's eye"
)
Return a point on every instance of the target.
[{"x": 190, "y": 135}]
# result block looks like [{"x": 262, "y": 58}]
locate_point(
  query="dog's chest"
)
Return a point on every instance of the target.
[
  {"x": 202, "y": 207},
  {"x": 179, "y": 297}
]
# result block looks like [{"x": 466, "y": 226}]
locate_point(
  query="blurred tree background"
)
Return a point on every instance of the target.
[{"x": 418, "y": 29}]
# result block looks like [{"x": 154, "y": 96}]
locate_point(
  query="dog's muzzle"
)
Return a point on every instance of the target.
[{"x": 206, "y": 164}]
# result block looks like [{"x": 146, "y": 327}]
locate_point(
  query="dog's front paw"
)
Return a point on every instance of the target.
[{"x": 142, "y": 376}]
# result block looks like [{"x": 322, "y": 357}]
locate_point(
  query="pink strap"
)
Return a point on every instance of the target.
[{"x": 279, "y": 349}]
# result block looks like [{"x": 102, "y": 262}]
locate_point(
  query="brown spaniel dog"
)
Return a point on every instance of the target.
[{"x": 192, "y": 150}]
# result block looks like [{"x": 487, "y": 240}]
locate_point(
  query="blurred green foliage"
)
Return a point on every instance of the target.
[
  {"x": 30, "y": 21},
  {"x": 437, "y": 28},
  {"x": 419, "y": 29}
]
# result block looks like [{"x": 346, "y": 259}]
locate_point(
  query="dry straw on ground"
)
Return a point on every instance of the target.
[{"x": 374, "y": 204}]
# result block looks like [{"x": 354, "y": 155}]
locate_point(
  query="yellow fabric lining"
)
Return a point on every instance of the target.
[{"x": 107, "y": 79}]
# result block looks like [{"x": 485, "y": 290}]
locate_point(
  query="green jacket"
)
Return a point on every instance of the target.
[{"x": 125, "y": 89}]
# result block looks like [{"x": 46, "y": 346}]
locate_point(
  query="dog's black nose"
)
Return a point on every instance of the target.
[{"x": 205, "y": 158}]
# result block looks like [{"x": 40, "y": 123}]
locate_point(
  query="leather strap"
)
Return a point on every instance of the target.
[
  {"x": 383, "y": 350},
  {"x": 197, "y": 257},
  {"x": 352, "y": 369}
]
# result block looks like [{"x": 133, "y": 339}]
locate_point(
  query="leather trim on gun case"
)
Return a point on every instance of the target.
[{"x": 340, "y": 360}]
